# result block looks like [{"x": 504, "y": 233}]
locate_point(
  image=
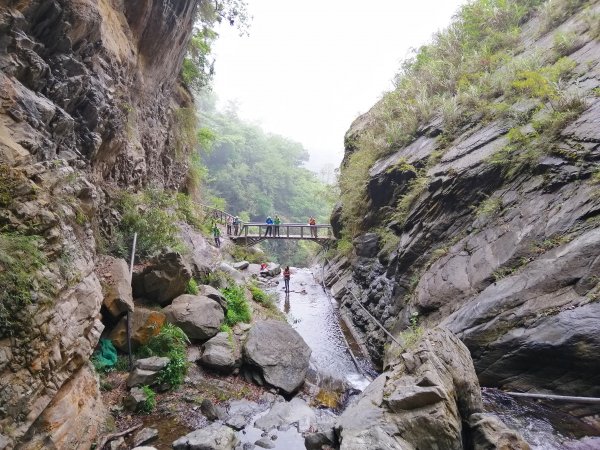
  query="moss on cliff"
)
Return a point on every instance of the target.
[{"x": 20, "y": 261}]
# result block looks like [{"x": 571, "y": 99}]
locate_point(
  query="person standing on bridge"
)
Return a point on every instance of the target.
[
  {"x": 229, "y": 224},
  {"x": 313, "y": 226},
  {"x": 277, "y": 222},
  {"x": 236, "y": 225},
  {"x": 286, "y": 279},
  {"x": 217, "y": 235},
  {"x": 269, "y": 230}
]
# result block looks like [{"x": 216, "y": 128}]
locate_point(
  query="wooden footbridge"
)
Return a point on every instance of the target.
[{"x": 253, "y": 233}]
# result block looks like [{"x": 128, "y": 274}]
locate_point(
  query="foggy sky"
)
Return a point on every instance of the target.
[{"x": 310, "y": 67}]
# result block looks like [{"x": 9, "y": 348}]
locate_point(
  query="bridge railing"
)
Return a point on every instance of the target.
[
  {"x": 286, "y": 230},
  {"x": 216, "y": 214}
]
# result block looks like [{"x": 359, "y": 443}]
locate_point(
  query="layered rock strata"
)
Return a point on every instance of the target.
[
  {"x": 89, "y": 98},
  {"x": 507, "y": 262}
]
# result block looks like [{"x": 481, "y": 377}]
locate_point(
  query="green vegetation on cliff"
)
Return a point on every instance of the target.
[
  {"x": 477, "y": 70},
  {"x": 20, "y": 261}
]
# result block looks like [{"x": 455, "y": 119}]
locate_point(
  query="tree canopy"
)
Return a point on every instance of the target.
[{"x": 258, "y": 173}]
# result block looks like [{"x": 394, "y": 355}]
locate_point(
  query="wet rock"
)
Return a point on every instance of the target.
[
  {"x": 210, "y": 411},
  {"x": 278, "y": 353},
  {"x": 272, "y": 270},
  {"x": 212, "y": 437},
  {"x": 240, "y": 412},
  {"x": 489, "y": 433},
  {"x": 199, "y": 317},
  {"x": 145, "y": 323},
  {"x": 366, "y": 245},
  {"x": 237, "y": 422},
  {"x": 164, "y": 280},
  {"x": 287, "y": 413},
  {"x": 528, "y": 320},
  {"x": 221, "y": 353},
  {"x": 241, "y": 265},
  {"x": 118, "y": 298},
  {"x": 316, "y": 441},
  {"x": 144, "y": 436},
  {"x": 423, "y": 404},
  {"x": 265, "y": 443},
  {"x": 587, "y": 443}
]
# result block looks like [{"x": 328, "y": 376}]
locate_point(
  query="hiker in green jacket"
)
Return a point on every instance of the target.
[
  {"x": 277, "y": 222},
  {"x": 217, "y": 235}
]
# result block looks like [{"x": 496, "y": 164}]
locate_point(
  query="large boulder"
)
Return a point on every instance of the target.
[
  {"x": 198, "y": 316},
  {"x": 278, "y": 354},
  {"x": 114, "y": 274},
  {"x": 212, "y": 437},
  {"x": 214, "y": 294},
  {"x": 221, "y": 353},
  {"x": 145, "y": 323},
  {"x": 430, "y": 399},
  {"x": 164, "y": 279},
  {"x": 233, "y": 273}
]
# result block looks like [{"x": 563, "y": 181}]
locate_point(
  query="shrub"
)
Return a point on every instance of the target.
[
  {"x": 416, "y": 187},
  {"x": 489, "y": 207},
  {"x": 170, "y": 342},
  {"x": 534, "y": 84},
  {"x": 260, "y": 296},
  {"x": 150, "y": 403},
  {"x": 555, "y": 12},
  {"x": 238, "y": 309},
  {"x": 185, "y": 130},
  {"x": 192, "y": 287},
  {"x": 145, "y": 214},
  {"x": 240, "y": 253},
  {"x": 153, "y": 214},
  {"x": 20, "y": 261},
  {"x": 565, "y": 43},
  {"x": 218, "y": 279}
]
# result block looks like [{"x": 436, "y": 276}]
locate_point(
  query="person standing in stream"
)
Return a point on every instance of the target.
[{"x": 286, "y": 279}]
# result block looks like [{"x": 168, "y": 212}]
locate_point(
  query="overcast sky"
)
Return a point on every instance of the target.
[{"x": 310, "y": 67}]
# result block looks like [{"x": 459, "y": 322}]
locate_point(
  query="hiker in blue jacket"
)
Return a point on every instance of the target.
[{"x": 269, "y": 227}]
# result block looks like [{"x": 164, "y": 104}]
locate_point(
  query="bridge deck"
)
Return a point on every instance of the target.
[{"x": 253, "y": 233}]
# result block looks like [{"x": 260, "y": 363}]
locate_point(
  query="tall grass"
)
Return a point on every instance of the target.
[{"x": 474, "y": 69}]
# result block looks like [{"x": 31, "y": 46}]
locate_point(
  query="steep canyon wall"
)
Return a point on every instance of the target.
[
  {"x": 491, "y": 233},
  {"x": 89, "y": 102}
]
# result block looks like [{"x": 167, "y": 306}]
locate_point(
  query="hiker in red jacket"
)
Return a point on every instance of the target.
[{"x": 286, "y": 279}]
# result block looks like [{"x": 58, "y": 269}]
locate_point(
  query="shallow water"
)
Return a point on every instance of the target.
[
  {"x": 543, "y": 427},
  {"x": 313, "y": 314}
]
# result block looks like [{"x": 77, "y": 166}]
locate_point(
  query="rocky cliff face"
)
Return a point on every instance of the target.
[
  {"x": 89, "y": 98},
  {"x": 502, "y": 249}
]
